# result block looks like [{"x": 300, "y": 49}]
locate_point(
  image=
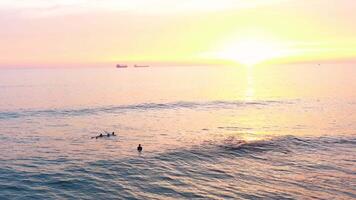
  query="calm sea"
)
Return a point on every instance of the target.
[{"x": 267, "y": 132}]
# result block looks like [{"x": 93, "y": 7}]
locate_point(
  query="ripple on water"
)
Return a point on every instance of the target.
[{"x": 280, "y": 168}]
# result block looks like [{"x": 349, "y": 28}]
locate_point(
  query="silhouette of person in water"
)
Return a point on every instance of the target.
[
  {"x": 113, "y": 134},
  {"x": 101, "y": 135},
  {"x": 139, "y": 148},
  {"x": 108, "y": 134}
]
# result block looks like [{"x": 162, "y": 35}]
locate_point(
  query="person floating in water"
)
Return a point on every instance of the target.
[
  {"x": 96, "y": 137},
  {"x": 112, "y": 134},
  {"x": 139, "y": 148}
]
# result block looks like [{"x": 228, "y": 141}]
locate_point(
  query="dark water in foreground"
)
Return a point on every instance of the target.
[
  {"x": 285, "y": 167},
  {"x": 207, "y": 133}
]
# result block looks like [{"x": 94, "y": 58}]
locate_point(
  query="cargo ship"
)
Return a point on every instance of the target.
[
  {"x": 121, "y": 66},
  {"x": 141, "y": 66}
]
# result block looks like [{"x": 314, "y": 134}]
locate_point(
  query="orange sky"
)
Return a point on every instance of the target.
[{"x": 100, "y": 32}]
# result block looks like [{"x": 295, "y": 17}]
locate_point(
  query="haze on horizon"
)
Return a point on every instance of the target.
[{"x": 58, "y": 32}]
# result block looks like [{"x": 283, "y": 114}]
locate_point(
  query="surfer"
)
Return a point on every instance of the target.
[
  {"x": 113, "y": 134},
  {"x": 101, "y": 135},
  {"x": 139, "y": 148}
]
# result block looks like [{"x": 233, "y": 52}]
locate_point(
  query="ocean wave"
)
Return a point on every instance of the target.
[
  {"x": 135, "y": 107},
  {"x": 234, "y": 146},
  {"x": 285, "y": 167}
]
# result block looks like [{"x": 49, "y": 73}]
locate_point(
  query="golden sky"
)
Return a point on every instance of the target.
[{"x": 80, "y": 32}]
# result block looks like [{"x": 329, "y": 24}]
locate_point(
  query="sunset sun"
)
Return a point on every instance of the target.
[{"x": 251, "y": 51}]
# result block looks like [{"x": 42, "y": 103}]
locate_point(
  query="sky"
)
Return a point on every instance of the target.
[{"x": 247, "y": 32}]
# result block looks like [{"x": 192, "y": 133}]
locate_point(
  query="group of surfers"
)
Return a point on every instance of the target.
[
  {"x": 104, "y": 135},
  {"x": 139, "y": 148}
]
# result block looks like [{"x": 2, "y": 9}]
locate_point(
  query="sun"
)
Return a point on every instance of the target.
[{"x": 251, "y": 51}]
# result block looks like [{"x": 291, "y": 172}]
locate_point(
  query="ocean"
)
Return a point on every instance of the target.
[{"x": 208, "y": 132}]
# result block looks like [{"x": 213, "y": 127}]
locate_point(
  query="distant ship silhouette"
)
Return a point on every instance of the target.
[
  {"x": 141, "y": 66},
  {"x": 121, "y": 66}
]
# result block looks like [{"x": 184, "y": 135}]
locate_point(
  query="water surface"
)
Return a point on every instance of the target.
[{"x": 284, "y": 132}]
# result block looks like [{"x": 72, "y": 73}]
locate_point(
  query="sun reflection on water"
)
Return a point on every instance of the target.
[{"x": 250, "y": 90}]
